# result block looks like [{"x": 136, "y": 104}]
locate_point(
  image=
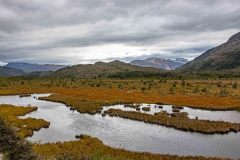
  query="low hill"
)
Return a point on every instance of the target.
[
  {"x": 8, "y": 72},
  {"x": 225, "y": 57},
  {"x": 28, "y": 67},
  {"x": 101, "y": 69},
  {"x": 160, "y": 63}
]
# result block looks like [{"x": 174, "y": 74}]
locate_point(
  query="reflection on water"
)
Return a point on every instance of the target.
[{"x": 128, "y": 134}]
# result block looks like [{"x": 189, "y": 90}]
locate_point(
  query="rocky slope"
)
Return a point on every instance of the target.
[{"x": 225, "y": 57}]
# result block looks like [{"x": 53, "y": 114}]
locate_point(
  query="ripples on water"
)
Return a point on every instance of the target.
[{"x": 128, "y": 134}]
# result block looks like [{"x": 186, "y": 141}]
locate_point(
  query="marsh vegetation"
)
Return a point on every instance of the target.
[
  {"x": 178, "y": 121},
  {"x": 23, "y": 127},
  {"x": 90, "y": 95}
]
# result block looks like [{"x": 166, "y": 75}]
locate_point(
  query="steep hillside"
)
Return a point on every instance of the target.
[
  {"x": 7, "y": 72},
  {"x": 103, "y": 69},
  {"x": 28, "y": 68},
  {"x": 225, "y": 57},
  {"x": 160, "y": 63}
]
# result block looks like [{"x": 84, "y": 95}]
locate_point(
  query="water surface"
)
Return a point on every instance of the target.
[{"x": 128, "y": 134}]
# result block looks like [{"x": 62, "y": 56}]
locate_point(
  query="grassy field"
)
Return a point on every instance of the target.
[
  {"x": 89, "y": 95},
  {"x": 24, "y": 127}
]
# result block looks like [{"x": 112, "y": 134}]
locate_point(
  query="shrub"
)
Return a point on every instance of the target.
[
  {"x": 224, "y": 92},
  {"x": 14, "y": 147},
  {"x": 234, "y": 86},
  {"x": 204, "y": 90},
  {"x": 183, "y": 82}
]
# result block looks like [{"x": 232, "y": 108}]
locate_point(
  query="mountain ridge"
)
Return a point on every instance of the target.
[
  {"x": 8, "y": 72},
  {"x": 159, "y": 63},
  {"x": 103, "y": 69},
  {"x": 225, "y": 57},
  {"x": 30, "y": 67}
]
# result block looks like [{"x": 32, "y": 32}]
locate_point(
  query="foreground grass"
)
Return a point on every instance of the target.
[
  {"x": 178, "y": 121},
  {"x": 24, "y": 127},
  {"x": 93, "y": 149}
]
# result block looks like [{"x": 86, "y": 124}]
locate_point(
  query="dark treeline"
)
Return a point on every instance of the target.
[{"x": 177, "y": 75}]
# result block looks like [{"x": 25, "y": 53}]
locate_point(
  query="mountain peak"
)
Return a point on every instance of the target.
[
  {"x": 117, "y": 62},
  {"x": 221, "y": 58},
  {"x": 235, "y": 37},
  {"x": 155, "y": 58}
]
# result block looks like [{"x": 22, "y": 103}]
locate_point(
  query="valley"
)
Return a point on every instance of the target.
[{"x": 145, "y": 109}]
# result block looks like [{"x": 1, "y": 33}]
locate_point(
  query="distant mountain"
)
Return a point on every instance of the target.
[
  {"x": 160, "y": 63},
  {"x": 225, "y": 57},
  {"x": 180, "y": 60},
  {"x": 28, "y": 68},
  {"x": 101, "y": 69},
  {"x": 8, "y": 72}
]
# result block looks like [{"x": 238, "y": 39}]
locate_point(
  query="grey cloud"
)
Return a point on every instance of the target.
[{"x": 30, "y": 31}]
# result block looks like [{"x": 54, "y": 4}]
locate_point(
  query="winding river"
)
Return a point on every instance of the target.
[{"x": 128, "y": 134}]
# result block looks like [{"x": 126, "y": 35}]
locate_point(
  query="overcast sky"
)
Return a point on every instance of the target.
[{"x": 85, "y": 31}]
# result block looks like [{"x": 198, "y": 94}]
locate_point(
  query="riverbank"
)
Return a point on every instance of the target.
[
  {"x": 92, "y": 148},
  {"x": 23, "y": 127},
  {"x": 178, "y": 121}
]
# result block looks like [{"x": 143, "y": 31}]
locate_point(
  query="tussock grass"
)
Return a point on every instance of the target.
[
  {"x": 88, "y": 95},
  {"x": 24, "y": 127},
  {"x": 178, "y": 121}
]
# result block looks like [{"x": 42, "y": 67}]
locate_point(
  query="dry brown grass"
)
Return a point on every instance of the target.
[
  {"x": 178, "y": 121},
  {"x": 90, "y": 95},
  {"x": 24, "y": 127}
]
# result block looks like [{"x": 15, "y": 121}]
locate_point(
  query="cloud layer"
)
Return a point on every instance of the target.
[{"x": 85, "y": 31}]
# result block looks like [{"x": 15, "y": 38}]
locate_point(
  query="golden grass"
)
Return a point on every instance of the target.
[
  {"x": 178, "y": 121},
  {"x": 89, "y": 148},
  {"x": 89, "y": 95},
  {"x": 92, "y": 99},
  {"x": 24, "y": 127}
]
